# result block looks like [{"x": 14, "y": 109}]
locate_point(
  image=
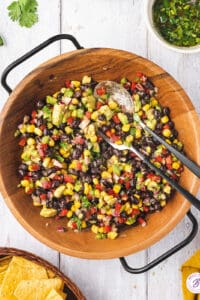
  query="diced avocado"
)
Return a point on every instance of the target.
[
  {"x": 57, "y": 115},
  {"x": 51, "y": 100},
  {"x": 47, "y": 113},
  {"x": 137, "y": 103},
  {"x": 78, "y": 186},
  {"x": 59, "y": 191},
  {"x": 123, "y": 118},
  {"x": 116, "y": 169},
  {"x": 68, "y": 93}
]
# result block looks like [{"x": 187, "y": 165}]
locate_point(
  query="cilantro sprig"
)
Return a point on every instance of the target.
[
  {"x": 1, "y": 41},
  {"x": 24, "y": 12}
]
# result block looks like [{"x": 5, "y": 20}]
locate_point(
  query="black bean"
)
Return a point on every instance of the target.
[
  {"x": 55, "y": 183},
  {"x": 157, "y": 114},
  {"x": 102, "y": 117},
  {"x": 23, "y": 167},
  {"x": 40, "y": 103},
  {"x": 166, "y": 110}
]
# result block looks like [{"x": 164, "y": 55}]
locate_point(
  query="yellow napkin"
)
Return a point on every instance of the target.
[{"x": 191, "y": 265}]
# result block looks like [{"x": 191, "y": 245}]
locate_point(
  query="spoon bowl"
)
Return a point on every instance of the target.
[{"x": 118, "y": 93}]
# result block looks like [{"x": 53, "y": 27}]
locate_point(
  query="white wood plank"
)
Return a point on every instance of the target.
[
  {"x": 185, "y": 69},
  {"x": 18, "y": 41}
]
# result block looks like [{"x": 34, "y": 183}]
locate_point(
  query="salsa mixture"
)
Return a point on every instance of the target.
[
  {"x": 72, "y": 173},
  {"x": 178, "y": 21}
]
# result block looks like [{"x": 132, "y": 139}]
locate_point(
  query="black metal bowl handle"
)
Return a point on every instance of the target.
[
  {"x": 167, "y": 254},
  {"x": 32, "y": 52}
]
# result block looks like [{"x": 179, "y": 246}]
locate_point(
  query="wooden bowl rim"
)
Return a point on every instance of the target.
[{"x": 175, "y": 219}]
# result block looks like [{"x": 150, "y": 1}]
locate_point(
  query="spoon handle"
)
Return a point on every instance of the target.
[
  {"x": 192, "y": 199},
  {"x": 192, "y": 166}
]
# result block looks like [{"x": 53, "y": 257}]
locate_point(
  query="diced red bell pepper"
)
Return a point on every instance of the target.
[
  {"x": 99, "y": 187},
  {"x": 68, "y": 83},
  {"x": 79, "y": 140},
  {"x": 63, "y": 213},
  {"x": 98, "y": 104},
  {"x": 74, "y": 225},
  {"x": 118, "y": 206},
  {"x": 168, "y": 160},
  {"x": 22, "y": 142},
  {"x": 116, "y": 119},
  {"x": 133, "y": 85},
  {"x": 135, "y": 212},
  {"x": 115, "y": 137},
  {"x": 166, "y": 126},
  {"x": 88, "y": 114},
  {"x": 141, "y": 221},
  {"x": 158, "y": 158},
  {"x": 46, "y": 184},
  {"x": 42, "y": 127},
  {"x": 79, "y": 166},
  {"x": 34, "y": 114},
  {"x": 139, "y": 74},
  {"x": 35, "y": 167},
  {"x": 107, "y": 228},
  {"x": 43, "y": 196},
  {"x": 145, "y": 208},
  {"x": 121, "y": 220},
  {"x": 68, "y": 178},
  {"x": 101, "y": 91},
  {"x": 128, "y": 185},
  {"x": 70, "y": 120}
]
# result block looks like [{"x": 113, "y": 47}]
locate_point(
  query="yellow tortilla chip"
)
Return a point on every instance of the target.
[
  {"x": 56, "y": 295},
  {"x": 4, "y": 263},
  {"x": 51, "y": 274},
  {"x": 2, "y": 274},
  {"x": 193, "y": 261},
  {"x": 20, "y": 269},
  {"x": 37, "y": 289}
]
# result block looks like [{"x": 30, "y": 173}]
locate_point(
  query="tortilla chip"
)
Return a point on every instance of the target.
[
  {"x": 20, "y": 269},
  {"x": 193, "y": 261},
  {"x": 56, "y": 295},
  {"x": 2, "y": 274},
  {"x": 4, "y": 263},
  {"x": 50, "y": 274},
  {"x": 37, "y": 289}
]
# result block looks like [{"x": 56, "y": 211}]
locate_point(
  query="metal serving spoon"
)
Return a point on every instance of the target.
[
  {"x": 192, "y": 199},
  {"x": 124, "y": 99}
]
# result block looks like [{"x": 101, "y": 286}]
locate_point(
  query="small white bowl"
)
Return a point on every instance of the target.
[{"x": 150, "y": 25}]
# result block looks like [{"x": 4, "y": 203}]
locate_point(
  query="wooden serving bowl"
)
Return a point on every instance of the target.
[
  {"x": 73, "y": 292},
  {"x": 48, "y": 78}
]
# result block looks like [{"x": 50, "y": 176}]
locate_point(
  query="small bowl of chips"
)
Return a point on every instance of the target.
[{"x": 24, "y": 275}]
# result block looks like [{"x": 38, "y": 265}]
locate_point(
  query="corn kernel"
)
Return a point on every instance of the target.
[
  {"x": 73, "y": 208},
  {"x": 146, "y": 107},
  {"x": 68, "y": 130},
  {"x": 69, "y": 214},
  {"x": 126, "y": 127},
  {"x": 112, "y": 235},
  {"x": 75, "y": 83},
  {"x": 138, "y": 133},
  {"x": 86, "y": 79},
  {"x": 129, "y": 138},
  {"x": 117, "y": 188},
  {"x": 30, "y": 141},
  {"x": 69, "y": 185},
  {"x": 25, "y": 183},
  {"x": 59, "y": 191},
  {"x": 94, "y": 115},
  {"x": 154, "y": 102},
  {"x": 140, "y": 113},
  {"x": 166, "y": 132},
  {"x": 38, "y": 131},
  {"x": 118, "y": 142},
  {"x": 86, "y": 152},
  {"x": 62, "y": 151},
  {"x": 83, "y": 224},
  {"x": 96, "y": 193},
  {"x": 163, "y": 203},
  {"x": 30, "y": 128},
  {"x": 105, "y": 175},
  {"x": 94, "y": 229},
  {"x": 75, "y": 101},
  {"x": 112, "y": 104},
  {"x": 101, "y": 230},
  {"x": 127, "y": 168},
  {"x": 51, "y": 143},
  {"x": 93, "y": 139},
  {"x": 95, "y": 181},
  {"x": 176, "y": 165},
  {"x": 74, "y": 113},
  {"x": 77, "y": 204},
  {"x": 164, "y": 119},
  {"x": 22, "y": 128}
]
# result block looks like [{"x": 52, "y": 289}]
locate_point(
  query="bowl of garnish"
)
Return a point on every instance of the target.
[
  {"x": 176, "y": 23},
  {"x": 63, "y": 173}
]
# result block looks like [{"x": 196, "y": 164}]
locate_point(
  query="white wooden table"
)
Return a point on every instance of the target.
[{"x": 100, "y": 23}]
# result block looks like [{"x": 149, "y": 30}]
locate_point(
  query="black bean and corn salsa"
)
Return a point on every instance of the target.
[{"x": 71, "y": 172}]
